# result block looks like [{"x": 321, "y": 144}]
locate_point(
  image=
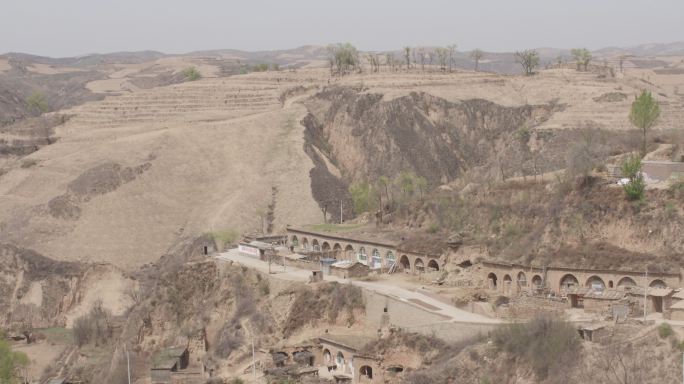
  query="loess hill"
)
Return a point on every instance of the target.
[{"x": 148, "y": 160}]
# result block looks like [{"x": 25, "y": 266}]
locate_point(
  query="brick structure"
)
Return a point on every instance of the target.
[
  {"x": 377, "y": 253},
  {"x": 511, "y": 279},
  {"x": 349, "y": 269}
]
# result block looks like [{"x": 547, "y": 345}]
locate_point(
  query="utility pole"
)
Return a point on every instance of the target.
[
  {"x": 253, "y": 360},
  {"x": 128, "y": 364},
  {"x": 340, "y": 211},
  {"x": 645, "y": 290}
]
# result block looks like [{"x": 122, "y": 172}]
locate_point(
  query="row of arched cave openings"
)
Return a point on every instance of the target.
[
  {"x": 360, "y": 254},
  {"x": 567, "y": 281},
  {"x": 365, "y": 371}
]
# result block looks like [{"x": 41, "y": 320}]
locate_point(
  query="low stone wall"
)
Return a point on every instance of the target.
[
  {"x": 384, "y": 310},
  {"x": 303, "y": 264},
  {"x": 529, "y": 307},
  {"x": 453, "y": 332}
]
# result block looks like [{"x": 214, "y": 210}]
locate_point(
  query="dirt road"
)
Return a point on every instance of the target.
[{"x": 415, "y": 298}]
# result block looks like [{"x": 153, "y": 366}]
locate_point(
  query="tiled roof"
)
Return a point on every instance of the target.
[
  {"x": 606, "y": 294},
  {"x": 353, "y": 342}
]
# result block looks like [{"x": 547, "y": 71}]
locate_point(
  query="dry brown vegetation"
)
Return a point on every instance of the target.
[
  {"x": 589, "y": 224},
  {"x": 548, "y": 351},
  {"x": 95, "y": 327},
  {"x": 233, "y": 305},
  {"x": 332, "y": 302}
]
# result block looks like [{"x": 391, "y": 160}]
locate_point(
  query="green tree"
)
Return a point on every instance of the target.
[
  {"x": 344, "y": 58},
  {"x": 37, "y": 103},
  {"x": 635, "y": 186},
  {"x": 191, "y": 74},
  {"x": 407, "y": 183},
  {"x": 12, "y": 364},
  {"x": 582, "y": 56},
  {"x": 363, "y": 196},
  {"x": 528, "y": 59},
  {"x": 421, "y": 184},
  {"x": 644, "y": 114},
  {"x": 476, "y": 55},
  {"x": 263, "y": 67},
  {"x": 384, "y": 183}
]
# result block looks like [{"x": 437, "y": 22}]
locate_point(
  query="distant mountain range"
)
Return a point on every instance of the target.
[
  {"x": 669, "y": 49},
  {"x": 319, "y": 52}
]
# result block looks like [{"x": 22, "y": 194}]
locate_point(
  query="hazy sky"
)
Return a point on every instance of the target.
[{"x": 74, "y": 27}]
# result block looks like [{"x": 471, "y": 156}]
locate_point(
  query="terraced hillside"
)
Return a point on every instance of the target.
[
  {"x": 440, "y": 125},
  {"x": 127, "y": 176},
  {"x": 132, "y": 173}
]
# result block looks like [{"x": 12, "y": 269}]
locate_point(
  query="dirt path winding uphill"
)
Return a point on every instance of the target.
[{"x": 131, "y": 173}]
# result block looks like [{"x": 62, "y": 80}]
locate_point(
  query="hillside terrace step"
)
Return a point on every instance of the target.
[
  {"x": 175, "y": 107},
  {"x": 171, "y": 102}
]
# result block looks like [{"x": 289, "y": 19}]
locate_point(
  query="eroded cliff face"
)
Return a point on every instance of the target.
[
  {"x": 38, "y": 292},
  {"x": 364, "y": 136}
]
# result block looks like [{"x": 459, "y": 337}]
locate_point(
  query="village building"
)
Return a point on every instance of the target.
[
  {"x": 175, "y": 366},
  {"x": 348, "y": 269},
  {"x": 339, "y": 351},
  {"x": 316, "y": 276},
  {"x": 255, "y": 248},
  {"x": 294, "y": 362},
  {"x": 658, "y": 299},
  {"x": 382, "y": 251},
  {"x": 274, "y": 239},
  {"x": 676, "y": 311},
  {"x": 306, "y": 354},
  {"x": 599, "y": 301},
  {"x": 168, "y": 361},
  {"x": 343, "y": 355},
  {"x": 511, "y": 278},
  {"x": 612, "y": 293},
  {"x": 593, "y": 332}
]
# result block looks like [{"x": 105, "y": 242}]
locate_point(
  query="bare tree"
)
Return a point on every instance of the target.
[
  {"x": 421, "y": 54},
  {"x": 476, "y": 55},
  {"x": 523, "y": 136},
  {"x": 620, "y": 363},
  {"x": 452, "y": 50},
  {"x": 442, "y": 57},
  {"x": 407, "y": 54},
  {"x": 528, "y": 59},
  {"x": 374, "y": 62},
  {"x": 389, "y": 61},
  {"x": 584, "y": 155}
]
